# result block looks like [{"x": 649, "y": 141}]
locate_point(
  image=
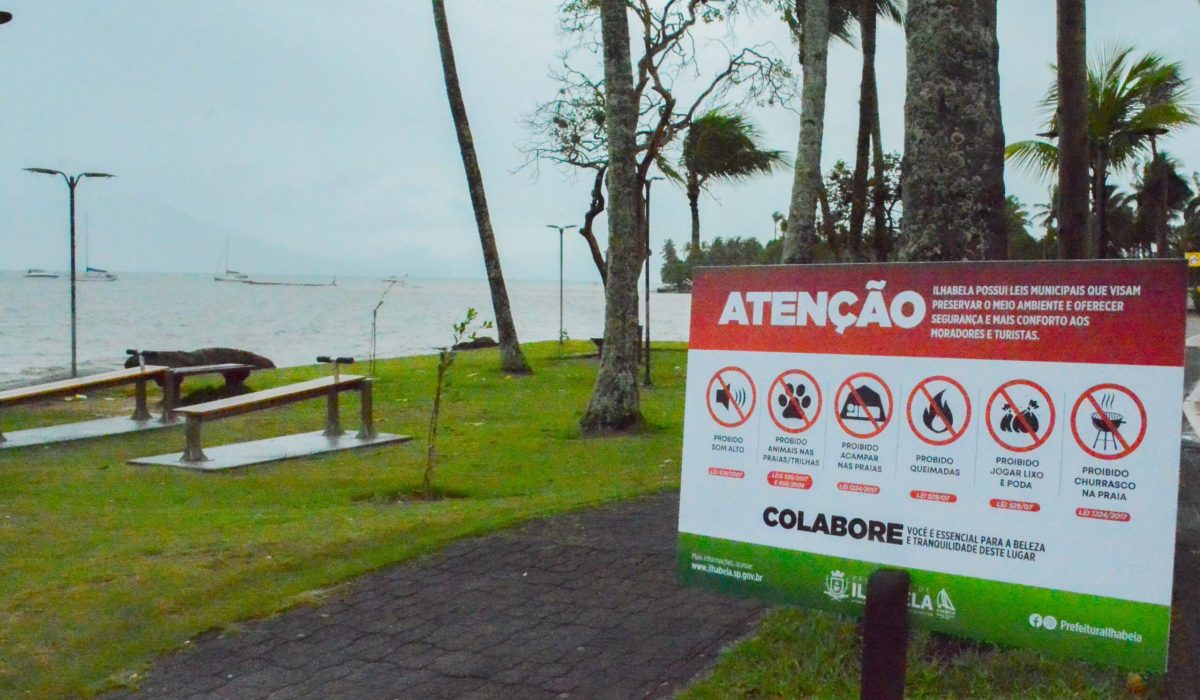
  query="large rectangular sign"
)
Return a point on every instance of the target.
[{"x": 1007, "y": 432}]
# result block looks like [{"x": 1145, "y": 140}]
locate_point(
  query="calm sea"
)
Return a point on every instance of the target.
[{"x": 291, "y": 325}]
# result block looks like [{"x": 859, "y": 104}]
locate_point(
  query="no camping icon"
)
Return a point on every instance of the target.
[
  {"x": 864, "y": 405},
  {"x": 731, "y": 397},
  {"x": 1020, "y": 415}
]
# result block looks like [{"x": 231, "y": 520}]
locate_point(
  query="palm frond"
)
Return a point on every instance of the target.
[{"x": 1037, "y": 157}]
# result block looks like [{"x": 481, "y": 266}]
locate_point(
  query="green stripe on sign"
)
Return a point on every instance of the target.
[{"x": 1074, "y": 625}]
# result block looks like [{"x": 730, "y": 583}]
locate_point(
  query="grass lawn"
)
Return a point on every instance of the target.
[{"x": 106, "y": 565}]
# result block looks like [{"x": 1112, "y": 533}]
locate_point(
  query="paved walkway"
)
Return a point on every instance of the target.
[{"x": 581, "y": 605}]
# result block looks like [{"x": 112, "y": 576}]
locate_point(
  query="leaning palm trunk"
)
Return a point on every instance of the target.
[
  {"x": 866, "y": 110},
  {"x": 511, "y": 357},
  {"x": 615, "y": 403},
  {"x": 953, "y": 174},
  {"x": 801, "y": 237},
  {"x": 1072, "y": 115}
]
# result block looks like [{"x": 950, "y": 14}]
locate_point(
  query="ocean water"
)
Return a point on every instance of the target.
[{"x": 290, "y": 325}]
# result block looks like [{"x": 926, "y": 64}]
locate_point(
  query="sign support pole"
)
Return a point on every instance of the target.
[{"x": 885, "y": 636}]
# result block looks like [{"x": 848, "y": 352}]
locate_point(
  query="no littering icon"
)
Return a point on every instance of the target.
[{"x": 1020, "y": 415}]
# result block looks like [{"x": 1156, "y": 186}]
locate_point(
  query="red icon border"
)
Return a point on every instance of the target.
[
  {"x": 771, "y": 404},
  {"x": 1129, "y": 449},
  {"x": 987, "y": 415},
  {"x": 908, "y": 410},
  {"x": 708, "y": 397},
  {"x": 837, "y": 414}
]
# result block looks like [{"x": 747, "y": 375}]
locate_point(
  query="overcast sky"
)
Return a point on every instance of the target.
[{"x": 315, "y": 137}]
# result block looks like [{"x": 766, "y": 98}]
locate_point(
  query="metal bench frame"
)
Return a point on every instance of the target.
[
  {"x": 137, "y": 375},
  {"x": 329, "y": 387}
]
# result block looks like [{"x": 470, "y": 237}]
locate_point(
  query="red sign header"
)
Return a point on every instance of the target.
[{"x": 1105, "y": 312}]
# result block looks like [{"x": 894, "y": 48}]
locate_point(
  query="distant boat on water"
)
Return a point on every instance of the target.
[
  {"x": 91, "y": 274},
  {"x": 95, "y": 274},
  {"x": 34, "y": 273},
  {"x": 224, "y": 274},
  {"x": 264, "y": 283}
]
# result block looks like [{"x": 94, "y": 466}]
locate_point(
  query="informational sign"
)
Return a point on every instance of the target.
[
  {"x": 1193, "y": 259},
  {"x": 1007, "y": 432}
]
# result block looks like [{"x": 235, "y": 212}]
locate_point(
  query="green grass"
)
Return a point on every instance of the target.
[
  {"x": 106, "y": 565},
  {"x": 810, "y": 654}
]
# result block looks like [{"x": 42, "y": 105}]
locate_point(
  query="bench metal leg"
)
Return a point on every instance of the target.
[
  {"x": 192, "y": 451},
  {"x": 365, "y": 409},
  {"x": 170, "y": 391},
  {"x": 333, "y": 421},
  {"x": 140, "y": 411}
]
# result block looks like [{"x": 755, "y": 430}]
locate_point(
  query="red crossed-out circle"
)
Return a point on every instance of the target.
[
  {"x": 809, "y": 419},
  {"x": 877, "y": 426},
  {"x": 1088, "y": 398},
  {"x": 923, "y": 389},
  {"x": 1038, "y": 441},
  {"x": 710, "y": 396}
]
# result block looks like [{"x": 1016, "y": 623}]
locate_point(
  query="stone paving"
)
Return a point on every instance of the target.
[{"x": 580, "y": 605}]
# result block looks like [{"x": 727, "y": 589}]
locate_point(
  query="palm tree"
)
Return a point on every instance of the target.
[
  {"x": 952, "y": 179},
  {"x": 801, "y": 237},
  {"x": 868, "y": 121},
  {"x": 1130, "y": 103},
  {"x": 723, "y": 146},
  {"x": 615, "y": 405},
  {"x": 1072, "y": 113},
  {"x": 511, "y": 357},
  {"x": 1161, "y": 192}
]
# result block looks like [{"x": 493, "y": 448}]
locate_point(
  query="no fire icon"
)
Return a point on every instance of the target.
[{"x": 939, "y": 410}]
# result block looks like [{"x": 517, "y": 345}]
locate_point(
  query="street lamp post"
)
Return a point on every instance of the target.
[
  {"x": 560, "y": 276},
  {"x": 649, "y": 181},
  {"x": 72, "y": 181}
]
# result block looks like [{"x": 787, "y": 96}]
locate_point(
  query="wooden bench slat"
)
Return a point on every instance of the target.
[
  {"x": 12, "y": 397},
  {"x": 209, "y": 369},
  {"x": 271, "y": 397}
]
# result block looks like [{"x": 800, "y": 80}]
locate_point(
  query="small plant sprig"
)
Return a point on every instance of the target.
[{"x": 467, "y": 328}]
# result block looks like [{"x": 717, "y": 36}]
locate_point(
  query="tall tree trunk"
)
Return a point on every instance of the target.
[
  {"x": 1072, "y": 130},
  {"x": 1100, "y": 203},
  {"x": 881, "y": 240},
  {"x": 953, "y": 173},
  {"x": 801, "y": 237},
  {"x": 693, "y": 195},
  {"x": 858, "y": 189},
  {"x": 511, "y": 357},
  {"x": 615, "y": 404},
  {"x": 827, "y": 224}
]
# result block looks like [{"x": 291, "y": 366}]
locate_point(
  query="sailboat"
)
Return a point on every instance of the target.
[
  {"x": 92, "y": 274},
  {"x": 229, "y": 275}
]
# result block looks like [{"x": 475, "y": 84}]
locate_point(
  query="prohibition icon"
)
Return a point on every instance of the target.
[
  {"x": 863, "y": 398},
  {"x": 939, "y": 410},
  {"x": 1023, "y": 418},
  {"x": 1111, "y": 414},
  {"x": 731, "y": 396},
  {"x": 794, "y": 401}
]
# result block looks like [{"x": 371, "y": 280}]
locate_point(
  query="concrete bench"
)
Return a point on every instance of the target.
[
  {"x": 329, "y": 387},
  {"x": 69, "y": 387}
]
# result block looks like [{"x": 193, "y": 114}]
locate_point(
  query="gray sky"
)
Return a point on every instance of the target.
[{"x": 315, "y": 135}]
